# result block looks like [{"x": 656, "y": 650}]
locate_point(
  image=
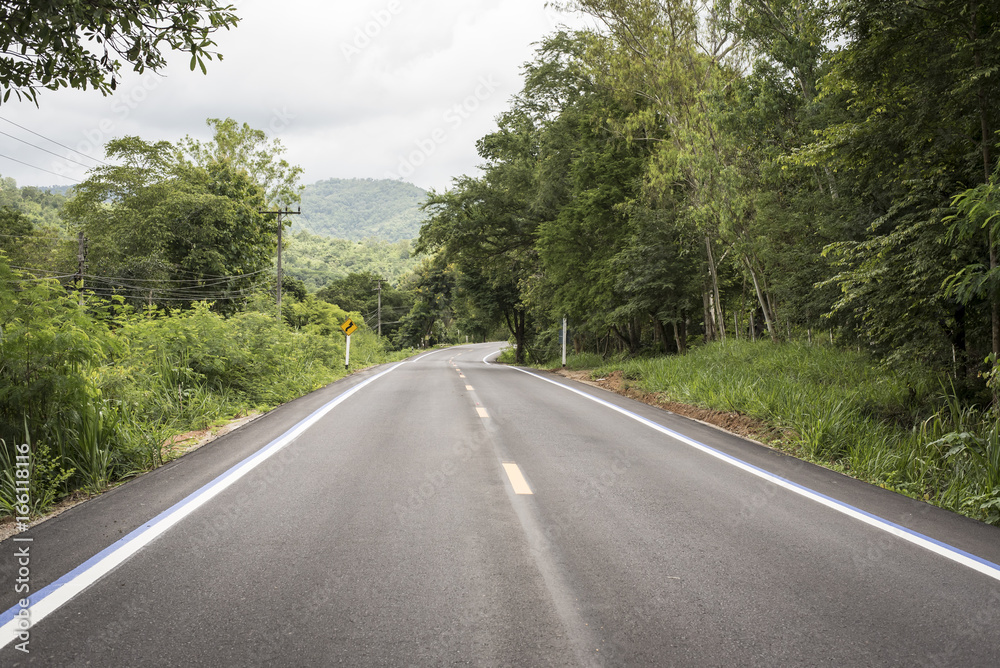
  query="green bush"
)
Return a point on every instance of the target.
[
  {"x": 46, "y": 480},
  {"x": 97, "y": 388},
  {"x": 48, "y": 343}
]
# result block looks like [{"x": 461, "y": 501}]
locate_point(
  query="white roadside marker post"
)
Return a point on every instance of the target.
[{"x": 564, "y": 341}]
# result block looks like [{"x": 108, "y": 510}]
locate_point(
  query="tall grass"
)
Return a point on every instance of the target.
[
  {"x": 903, "y": 430},
  {"x": 163, "y": 376}
]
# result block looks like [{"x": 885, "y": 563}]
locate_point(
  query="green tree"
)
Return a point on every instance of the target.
[
  {"x": 359, "y": 292},
  {"x": 248, "y": 150},
  {"x": 47, "y": 343},
  {"x": 15, "y": 229},
  {"x": 485, "y": 227},
  {"x": 919, "y": 88},
  {"x": 664, "y": 61},
  {"x": 166, "y": 230},
  {"x": 431, "y": 318},
  {"x": 318, "y": 260},
  {"x": 73, "y": 44},
  {"x": 783, "y": 213}
]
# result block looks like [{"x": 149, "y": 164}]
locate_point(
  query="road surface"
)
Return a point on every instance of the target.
[{"x": 449, "y": 511}]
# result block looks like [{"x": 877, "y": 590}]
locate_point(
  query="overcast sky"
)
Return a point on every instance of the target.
[{"x": 371, "y": 88}]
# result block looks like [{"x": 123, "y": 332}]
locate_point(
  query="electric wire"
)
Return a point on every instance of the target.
[
  {"x": 41, "y": 169},
  {"x": 32, "y": 236},
  {"x": 38, "y": 278},
  {"x": 53, "y": 141},
  {"x": 188, "y": 290},
  {"x": 40, "y": 271},
  {"x": 196, "y": 281},
  {"x": 61, "y": 157}
]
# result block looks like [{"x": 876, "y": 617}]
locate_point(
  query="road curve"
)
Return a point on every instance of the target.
[{"x": 450, "y": 511}]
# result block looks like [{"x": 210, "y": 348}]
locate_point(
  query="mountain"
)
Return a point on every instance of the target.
[{"x": 359, "y": 209}]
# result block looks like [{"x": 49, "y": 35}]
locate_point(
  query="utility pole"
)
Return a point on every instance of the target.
[
  {"x": 81, "y": 267},
  {"x": 380, "y": 307},
  {"x": 279, "y": 213}
]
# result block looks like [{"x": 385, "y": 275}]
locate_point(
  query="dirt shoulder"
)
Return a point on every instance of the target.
[{"x": 734, "y": 423}]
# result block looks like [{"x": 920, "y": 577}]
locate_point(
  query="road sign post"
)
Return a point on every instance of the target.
[{"x": 349, "y": 328}]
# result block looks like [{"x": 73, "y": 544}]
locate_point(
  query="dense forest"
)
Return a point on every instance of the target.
[
  {"x": 359, "y": 209},
  {"x": 316, "y": 260},
  {"x": 40, "y": 205},
  {"x": 698, "y": 172}
]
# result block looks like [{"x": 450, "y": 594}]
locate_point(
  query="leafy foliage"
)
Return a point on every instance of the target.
[
  {"x": 97, "y": 388},
  {"x": 359, "y": 293},
  {"x": 317, "y": 260},
  {"x": 31, "y": 229},
  {"x": 431, "y": 319},
  {"x": 247, "y": 150},
  {"x": 160, "y": 224},
  {"x": 74, "y": 44},
  {"x": 41, "y": 206}
]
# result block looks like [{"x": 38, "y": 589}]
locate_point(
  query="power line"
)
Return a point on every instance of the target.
[
  {"x": 217, "y": 278},
  {"x": 199, "y": 298},
  {"x": 41, "y": 169},
  {"x": 54, "y": 141},
  {"x": 44, "y": 149},
  {"x": 168, "y": 297},
  {"x": 195, "y": 281},
  {"x": 39, "y": 278},
  {"x": 35, "y": 236},
  {"x": 41, "y": 271}
]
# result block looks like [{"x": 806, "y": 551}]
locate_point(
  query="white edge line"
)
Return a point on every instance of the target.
[
  {"x": 433, "y": 352},
  {"x": 50, "y": 598},
  {"x": 979, "y": 564}
]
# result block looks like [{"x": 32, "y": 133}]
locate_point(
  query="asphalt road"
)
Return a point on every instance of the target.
[{"x": 395, "y": 528}]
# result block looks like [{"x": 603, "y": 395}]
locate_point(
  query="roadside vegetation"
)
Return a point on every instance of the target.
[
  {"x": 903, "y": 429},
  {"x": 99, "y": 388},
  {"x": 171, "y": 324}
]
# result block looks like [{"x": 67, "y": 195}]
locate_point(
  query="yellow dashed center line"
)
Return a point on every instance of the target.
[
  {"x": 516, "y": 478},
  {"x": 482, "y": 412},
  {"x": 469, "y": 388}
]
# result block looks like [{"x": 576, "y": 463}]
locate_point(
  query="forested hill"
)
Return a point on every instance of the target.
[{"x": 361, "y": 209}]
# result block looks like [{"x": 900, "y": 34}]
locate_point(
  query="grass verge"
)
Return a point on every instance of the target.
[{"x": 902, "y": 430}]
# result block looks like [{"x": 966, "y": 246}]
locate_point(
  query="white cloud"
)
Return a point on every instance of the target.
[{"x": 364, "y": 89}]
